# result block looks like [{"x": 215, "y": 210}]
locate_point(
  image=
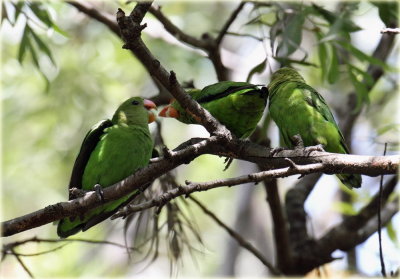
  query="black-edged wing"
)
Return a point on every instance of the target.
[
  {"x": 221, "y": 89},
  {"x": 88, "y": 145}
]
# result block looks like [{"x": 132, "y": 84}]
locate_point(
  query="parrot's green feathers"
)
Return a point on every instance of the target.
[
  {"x": 237, "y": 105},
  {"x": 111, "y": 151},
  {"x": 298, "y": 109}
]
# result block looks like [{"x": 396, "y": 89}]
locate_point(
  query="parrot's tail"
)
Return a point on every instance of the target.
[{"x": 350, "y": 180}]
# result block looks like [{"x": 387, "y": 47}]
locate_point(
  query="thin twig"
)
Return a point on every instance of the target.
[
  {"x": 176, "y": 31},
  {"x": 242, "y": 242},
  {"x": 383, "y": 269},
  {"x": 392, "y": 31},
  {"x": 228, "y": 23},
  {"x": 35, "y": 254},
  {"x": 91, "y": 11},
  {"x": 23, "y": 265},
  {"x": 12, "y": 245},
  {"x": 206, "y": 43}
]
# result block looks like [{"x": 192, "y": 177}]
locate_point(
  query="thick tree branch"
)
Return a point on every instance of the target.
[
  {"x": 280, "y": 229},
  {"x": 319, "y": 162},
  {"x": 352, "y": 231},
  {"x": 130, "y": 31}
]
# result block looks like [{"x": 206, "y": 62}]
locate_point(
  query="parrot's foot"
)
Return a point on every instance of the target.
[
  {"x": 166, "y": 152},
  {"x": 309, "y": 149},
  {"x": 99, "y": 192},
  {"x": 297, "y": 142},
  {"x": 75, "y": 193},
  {"x": 275, "y": 150}
]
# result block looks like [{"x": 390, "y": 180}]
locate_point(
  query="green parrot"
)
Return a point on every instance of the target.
[
  {"x": 111, "y": 151},
  {"x": 237, "y": 105},
  {"x": 298, "y": 109}
]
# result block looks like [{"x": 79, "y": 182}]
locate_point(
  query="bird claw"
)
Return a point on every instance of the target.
[
  {"x": 75, "y": 193},
  {"x": 309, "y": 149},
  {"x": 99, "y": 192},
  {"x": 276, "y": 150},
  {"x": 297, "y": 142}
]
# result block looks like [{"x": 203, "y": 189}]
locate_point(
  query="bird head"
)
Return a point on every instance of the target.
[{"x": 135, "y": 110}]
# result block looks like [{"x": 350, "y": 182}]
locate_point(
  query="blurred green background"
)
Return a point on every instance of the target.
[{"x": 42, "y": 129}]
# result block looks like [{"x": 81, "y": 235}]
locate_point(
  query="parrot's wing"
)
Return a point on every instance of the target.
[
  {"x": 314, "y": 99},
  {"x": 88, "y": 145},
  {"x": 222, "y": 89}
]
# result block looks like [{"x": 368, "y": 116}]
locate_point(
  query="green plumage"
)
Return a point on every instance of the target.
[
  {"x": 111, "y": 151},
  {"x": 297, "y": 108},
  {"x": 237, "y": 105}
]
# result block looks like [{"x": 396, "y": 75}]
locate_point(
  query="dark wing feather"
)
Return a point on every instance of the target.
[
  {"x": 88, "y": 145},
  {"x": 101, "y": 217},
  {"x": 221, "y": 89}
]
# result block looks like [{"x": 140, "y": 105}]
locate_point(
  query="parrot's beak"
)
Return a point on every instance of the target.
[
  {"x": 169, "y": 111},
  {"x": 149, "y": 105}
]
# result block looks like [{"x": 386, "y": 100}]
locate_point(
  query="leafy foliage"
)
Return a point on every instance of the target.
[{"x": 33, "y": 14}]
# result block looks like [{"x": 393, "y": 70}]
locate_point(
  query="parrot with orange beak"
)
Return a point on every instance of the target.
[
  {"x": 111, "y": 151},
  {"x": 237, "y": 105}
]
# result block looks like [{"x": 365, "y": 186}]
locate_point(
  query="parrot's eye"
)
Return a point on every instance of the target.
[{"x": 135, "y": 103}]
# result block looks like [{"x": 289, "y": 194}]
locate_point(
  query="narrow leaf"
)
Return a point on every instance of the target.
[
  {"x": 287, "y": 61},
  {"x": 42, "y": 46},
  {"x": 257, "y": 69},
  {"x": 23, "y": 44},
  {"x": 333, "y": 72}
]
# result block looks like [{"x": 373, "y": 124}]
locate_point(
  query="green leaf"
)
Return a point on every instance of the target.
[
  {"x": 363, "y": 56},
  {"x": 323, "y": 57},
  {"x": 361, "y": 90},
  {"x": 18, "y": 9},
  {"x": 287, "y": 61},
  {"x": 367, "y": 78},
  {"x": 40, "y": 13},
  {"x": 292, "y": 34},
  {"x": 327, "y": 15},
  {"x": 42, "y": 46},
  {"x": 344, "y": 208},
  {"x": 24, "y": 43},
  {"x": 387, "y": 128},
  {"x": 33, "y": 54},
  {"x": 333, "y": 72},
  {"x": 274, "y": 32},
  {"x": 388, "y": 12},
  {"x": 257, "y": 69},
  {"x": 392, "y": 233}
]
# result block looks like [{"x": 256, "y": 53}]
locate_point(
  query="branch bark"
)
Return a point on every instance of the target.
[{"x": 306, "y": 163}]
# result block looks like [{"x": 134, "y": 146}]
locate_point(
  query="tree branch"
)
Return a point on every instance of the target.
[
  {"x": 207, "y": 43},
  {"x": 392, "y": 31},
  {"x": 315, "y": 162},
  {"x": 242, "y": 242},
  {"x": 228, "y": 23},
  {"x": 130, "y": 31},
  {"x": 352, "y": 231},
  {"x": 91, "y": 11},
  {"x": 192, "y": 187}
]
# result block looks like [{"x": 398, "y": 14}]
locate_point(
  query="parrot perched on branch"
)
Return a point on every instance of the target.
[
  {"x": 111, "y": 151},
  {"x": 298, "y": 109},
  {"x": 237, "y": 105}
]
